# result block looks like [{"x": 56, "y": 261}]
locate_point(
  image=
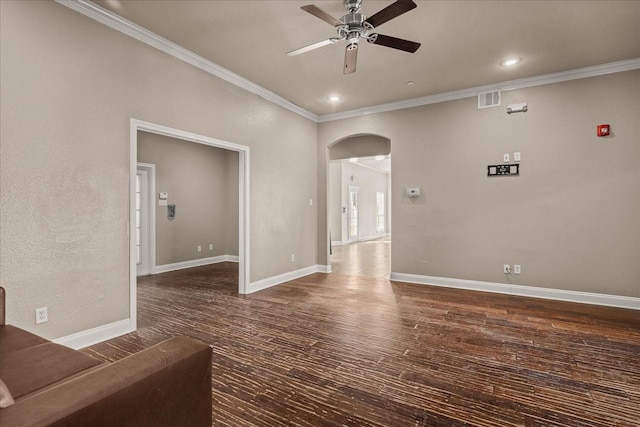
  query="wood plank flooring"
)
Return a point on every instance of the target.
[
  {"x": 371, "y": 258},
  {"x": 341, "y": 350}
]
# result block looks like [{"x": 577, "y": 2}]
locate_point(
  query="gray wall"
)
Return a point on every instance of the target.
[
  {"x": 571, "y": 219},
  {"x": 69, "y": 87},
  {"x": 199, "y": 181}
]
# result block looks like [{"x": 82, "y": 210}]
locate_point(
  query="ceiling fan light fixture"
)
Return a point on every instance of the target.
[
  {"x": 355, "y": 26},
  {"x": 510, "y": 62}
]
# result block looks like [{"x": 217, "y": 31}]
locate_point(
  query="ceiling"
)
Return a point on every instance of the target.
[{"x": 463, "y": 43}]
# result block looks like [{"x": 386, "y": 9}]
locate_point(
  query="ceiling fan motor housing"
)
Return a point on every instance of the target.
[{"x": 354, "y": 27}]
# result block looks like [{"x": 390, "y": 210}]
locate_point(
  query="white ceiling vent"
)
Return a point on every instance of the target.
[{"x": 489, "y": 99}]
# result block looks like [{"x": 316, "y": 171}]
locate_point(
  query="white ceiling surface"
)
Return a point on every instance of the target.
[{"x": 463, "y": 43}]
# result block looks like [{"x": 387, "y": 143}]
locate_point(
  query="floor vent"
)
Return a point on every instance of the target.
[{"x": 489, "y": 99}]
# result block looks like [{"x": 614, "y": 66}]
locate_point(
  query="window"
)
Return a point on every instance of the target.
[{"x": 380, "y": 212}]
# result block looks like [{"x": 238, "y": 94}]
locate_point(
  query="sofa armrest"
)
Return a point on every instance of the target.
[
  {"x": 168, "y": 384},
  {"x": 2, "y": 307}
]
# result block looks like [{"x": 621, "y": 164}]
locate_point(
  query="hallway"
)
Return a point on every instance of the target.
[{"x": 371, "y": 258}]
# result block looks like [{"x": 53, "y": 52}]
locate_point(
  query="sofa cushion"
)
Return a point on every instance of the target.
[
  {"x": 13, "y": 339},
  {"x": 5, "y": 397},
  {"x": 30, "y": 369}
]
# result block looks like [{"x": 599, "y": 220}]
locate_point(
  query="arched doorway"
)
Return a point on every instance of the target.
[{"x": 358, "y": 220}]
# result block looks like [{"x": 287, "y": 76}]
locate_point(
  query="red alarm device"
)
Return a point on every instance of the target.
[{"x": 604, "y": 130}]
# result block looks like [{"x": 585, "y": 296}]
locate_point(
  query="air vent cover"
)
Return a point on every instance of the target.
[{"x": 489, "y": 99}]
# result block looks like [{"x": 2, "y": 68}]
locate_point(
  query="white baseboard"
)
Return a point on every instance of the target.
[
  {"x": 194, "y": 263},
  {"x": 285, "y": 277},
  {"x": 373, "y": 237},
  {"x": 324, "y": 268},
  {"x": 93, "y": 336},
  {"x": 520, "y": 290},
  {"x": 361, "y": 239}
]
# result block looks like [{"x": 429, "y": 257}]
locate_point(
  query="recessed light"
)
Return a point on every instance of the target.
[
  {"x": 510, "y": 61},
  {"x": 334, "y": 98}
]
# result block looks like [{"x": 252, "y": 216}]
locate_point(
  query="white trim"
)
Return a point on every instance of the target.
[
  {"x": 520, "y": 290},
  {"x": 151, "y": 201},
  {"x": 373, "y": 237},
  {"x": 95, "y": 335},
  {"x": 194, "y": 263},
  {"x": 118, "y": 23},
  {"x": 545, "y": 79},
  {"x": 112, "y": 20},
  {"x": 323, "y": 268},
  {"x": 286, "y": 277},
  {"x": 361, "y": 239}
]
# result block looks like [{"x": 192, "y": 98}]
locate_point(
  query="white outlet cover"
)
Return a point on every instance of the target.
[
  {"x": 505, "y": 157},
  {"x": 516, "y": 156},
  {"x": 42, "y": 315}
]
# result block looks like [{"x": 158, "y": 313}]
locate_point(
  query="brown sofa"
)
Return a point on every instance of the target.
[{"x": 168, "y": 384}]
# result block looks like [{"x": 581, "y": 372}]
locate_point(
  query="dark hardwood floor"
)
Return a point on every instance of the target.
[{"x": 340, "y": 350}]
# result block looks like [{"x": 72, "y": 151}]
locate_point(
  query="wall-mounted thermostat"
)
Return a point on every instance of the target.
[{"x": 413, "y": 192}]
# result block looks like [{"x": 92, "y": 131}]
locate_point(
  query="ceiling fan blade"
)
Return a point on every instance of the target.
[
  {"x": 350, "y": 58},
  {"x": 312, "y": 46},
  {"x": 392, "y": 11},
  {"x": 319, "y": 13},
  {"x": 393, "y": 42}
]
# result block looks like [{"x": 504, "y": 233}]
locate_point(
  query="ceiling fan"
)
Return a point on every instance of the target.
[{"x": 355, "y": 26}]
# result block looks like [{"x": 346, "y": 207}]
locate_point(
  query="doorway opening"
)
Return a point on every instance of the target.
[
  {"x": 242, "y": 153},
  {"x": 359, "y": 190}
]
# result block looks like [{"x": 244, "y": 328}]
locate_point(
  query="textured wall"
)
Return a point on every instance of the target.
[
  {"x": 571, "y": 219},
  {"x": 69, "y": 87}
]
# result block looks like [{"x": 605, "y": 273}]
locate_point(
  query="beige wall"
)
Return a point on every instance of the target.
[
  {"x": 197, "y": 180},
  {"x": 572, "y": 217},
  {"x": 69, "y": 87}
]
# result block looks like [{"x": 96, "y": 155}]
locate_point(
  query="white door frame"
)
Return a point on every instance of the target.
[
  {"x": 353, "y": 189},
  {"x": 150, "y": 169},
  {"x": 243, "y": 201}
]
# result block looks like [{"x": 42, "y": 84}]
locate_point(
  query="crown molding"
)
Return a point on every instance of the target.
[
  {"x": 139, "y": 33},
  {"x": 112, "y": 20},
  {"x": 545, "y": 79}
]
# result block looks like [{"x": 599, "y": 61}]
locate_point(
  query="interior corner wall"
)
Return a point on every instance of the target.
[
  {"x": 69, "y": 87},
  {"x": 571, "y": 219},
  {"x": 196, "y": 178}
]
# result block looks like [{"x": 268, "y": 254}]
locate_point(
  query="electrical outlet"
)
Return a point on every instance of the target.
[
  {"x": 42, "y": 315},
  {"x": 506, "y": 269},
  {"x": 199, "y": 248},
  {"x": 293, "y": 258},
  {"x": 517, "y": 269},
  {"x": 516, "y": 156},
  {"x": 210, "y": 246}
]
